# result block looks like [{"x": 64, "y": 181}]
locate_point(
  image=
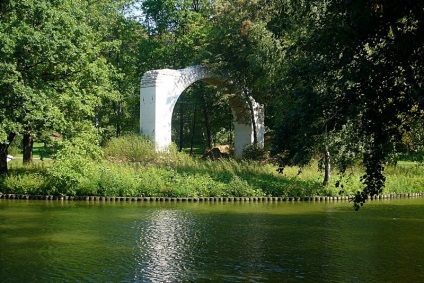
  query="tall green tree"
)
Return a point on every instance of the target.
[
  {"x": 341, "y": 75},
  {"x": 244, "y": 49},
  {"x": 118, "y": 112},
  {"x": 353, "y": 59},
  {"x": 53, "y": 69},
  {"x": 385, "y": 79}
]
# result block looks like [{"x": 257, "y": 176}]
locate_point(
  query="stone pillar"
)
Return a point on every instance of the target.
[
  {"x": 243, "y": 128},
  {"x": 157, "y": 101},
  {"x": 243, "y": 135}
]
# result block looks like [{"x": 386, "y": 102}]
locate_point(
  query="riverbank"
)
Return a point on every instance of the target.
[
  {"x": 131, "y": 168},
  {"x": 194, "y": 179},
  {"x": 204, "y": 199}
]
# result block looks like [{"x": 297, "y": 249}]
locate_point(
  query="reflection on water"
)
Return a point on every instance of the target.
[
  {"x": 232, "y": 242},
  {"x": 163, "y": 243}
]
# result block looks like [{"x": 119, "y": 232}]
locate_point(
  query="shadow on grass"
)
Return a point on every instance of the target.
[{"x": 218, "y": 178}]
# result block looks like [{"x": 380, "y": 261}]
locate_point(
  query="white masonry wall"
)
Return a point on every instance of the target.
[{"x": 160, "y": 90}]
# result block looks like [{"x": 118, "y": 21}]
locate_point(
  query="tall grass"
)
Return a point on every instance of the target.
[
  {"x": 132, "y": 167},
  {"x": 132, "y": 148},
  {"x": 405, "y": 178}
]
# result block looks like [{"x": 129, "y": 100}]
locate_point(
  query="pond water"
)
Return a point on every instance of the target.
[{"x": 53, "y": 241}]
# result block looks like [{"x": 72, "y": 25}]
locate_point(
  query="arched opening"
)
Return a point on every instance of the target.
[
  {"x": 160, "y": 90},
  {"x": 202, "y": 119}
]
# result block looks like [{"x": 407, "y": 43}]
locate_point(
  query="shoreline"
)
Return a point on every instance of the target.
[{"x": 205, "y": 199}]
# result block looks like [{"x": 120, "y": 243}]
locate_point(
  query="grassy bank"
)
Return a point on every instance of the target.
[{"x": 130, "y": 167}]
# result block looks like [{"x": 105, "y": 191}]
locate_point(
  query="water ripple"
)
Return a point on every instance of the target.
[{"x": 164, "y": 247}]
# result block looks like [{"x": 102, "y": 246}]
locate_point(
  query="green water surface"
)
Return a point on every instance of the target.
[{"x": 53, "y": 241}]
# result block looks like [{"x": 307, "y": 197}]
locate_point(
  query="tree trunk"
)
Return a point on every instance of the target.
[
  {"x": 181, "y": 126},
  {"x": 193, "y": 128},
  {"x": 96, "y": 119},
  {"x": 3, "y": 158},
  {"x": 196, "y": 6},
  {"x": 230, "y": 129},
  {"x": 28, "y": 144},
  {"x": 327, "y": 167},
  {"x": 207, "y": 122},
  {"x": 118, "y": 120},
  {"x": 3, "y": 153}
]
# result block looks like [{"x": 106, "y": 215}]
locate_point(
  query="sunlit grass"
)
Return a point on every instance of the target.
[
  {"x": 404, "y": 178},
  {"x": 133, "y": 168}
]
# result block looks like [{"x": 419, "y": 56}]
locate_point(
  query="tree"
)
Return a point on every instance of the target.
[
  {"x": 342, "y": 75},
  {"x": 178, "y": 32},
  {"x": 245, "y": 49},
  {"x": 306, "y": 115},
  {"x": 53, "y": 69},
  {"x": 118, "y": 112},
  {"x": 387, "y": 82},
  {"x": 373, "y": 75}
]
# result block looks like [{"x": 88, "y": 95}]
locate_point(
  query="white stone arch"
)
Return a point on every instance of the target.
[{"x": 159, "y": 92}]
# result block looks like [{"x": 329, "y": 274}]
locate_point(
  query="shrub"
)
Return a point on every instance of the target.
[
  {"x": 238, "y": 187},
  {"x": 153, "y": 181},
  {"x": 75, "y": 170},
  {"x": 30, "y": 183},
  {"x": 117, "y": 181},
  {"x": 254, "y": 152},
  {"x": 74, "y": 175}
]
